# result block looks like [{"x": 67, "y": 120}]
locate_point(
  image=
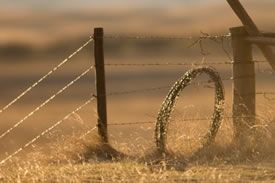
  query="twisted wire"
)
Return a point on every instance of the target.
[
  {"x": 45, "y": 103},
  {"x": 46, "y": 131},
  {"x": 45, "y": 76}
]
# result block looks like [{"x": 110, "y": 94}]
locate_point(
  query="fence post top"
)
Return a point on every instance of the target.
[
  {"x": 98, "y": 31},
  {"x": 238, "y": 31}
]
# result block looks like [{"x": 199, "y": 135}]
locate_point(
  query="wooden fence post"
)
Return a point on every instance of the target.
[
  {"x": 252, "y": 29},
  {"x": 100, "y": 84},
  {"x": 243, "y": 85}
]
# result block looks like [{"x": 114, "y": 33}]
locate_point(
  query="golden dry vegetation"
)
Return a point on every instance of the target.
[{"x": 62, "y": 156}]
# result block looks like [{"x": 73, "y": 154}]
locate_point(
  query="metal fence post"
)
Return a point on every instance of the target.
[
  {"x": 243, "y": 85},
  {"x": 100, "y": 84}
]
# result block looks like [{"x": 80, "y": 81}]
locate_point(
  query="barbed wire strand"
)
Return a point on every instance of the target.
[
  {"x": 178, "y": 63},
  {"x": 46, "y": 76},
  {"x": 266, "y": 93},
  {"x": 125, "y": 92},
  {"x": 137, "y": 90},
  {"x": 88, "y": 132},
  {"x": 185, "y": 119},
  {"x": 163, "y": 87},
  {"x": 45, "y": 103},
  {"x": 149, "y": 37},
  {"x": 165, "y": 64},
  {"x": 46, "y": 131}
]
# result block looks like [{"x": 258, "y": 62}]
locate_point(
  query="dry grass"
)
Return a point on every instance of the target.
[
  {"x": 89, "y": 160},
  {"x": 128, "y": 171}
]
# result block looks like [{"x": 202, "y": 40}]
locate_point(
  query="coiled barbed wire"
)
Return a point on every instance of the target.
[
  {"x": 170, "y": 100},
  {"x": 46, "y": 76},
  {"x": 48, "y": 130},
  {"x": 45, "y": 103}
]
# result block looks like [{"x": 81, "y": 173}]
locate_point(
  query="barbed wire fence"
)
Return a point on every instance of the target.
[
  {"x": 219, "y": 39},
  {"x": 47, "y": 101},
  {"x": 199, "y": 41}
]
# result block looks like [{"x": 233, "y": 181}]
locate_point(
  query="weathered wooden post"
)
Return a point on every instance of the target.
[
  {"x": 243, "y": 85},
  {"x": 100, "y": 84},
  {"x": 252, "y": 29}
]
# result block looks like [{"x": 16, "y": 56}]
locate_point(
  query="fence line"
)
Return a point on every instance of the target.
[
  {"x": 46, "y": 76},
  {"x": 166, "y": 87},
  {"x": 125, "y": 92},
  {"x": 165, "y": 64},
  {"x": 178, "y": 63},
  {"x": 216, "y": 38},
  {"x": 45, "y": 102},
  {"x": 148, "y": 37},
  {"x": 46, "y": 131}
]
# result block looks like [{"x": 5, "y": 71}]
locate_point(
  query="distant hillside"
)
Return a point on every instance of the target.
[{"x": 47, "y": 27}]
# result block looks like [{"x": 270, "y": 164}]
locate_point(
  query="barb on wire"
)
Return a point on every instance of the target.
[
  {"x": 217, "y": 39},
  {"x": 46, "y": 131},
  {"x": 199, "y": 42},
  {"x": 45, "y": 103},
  {"x": 45, "y": 76}
]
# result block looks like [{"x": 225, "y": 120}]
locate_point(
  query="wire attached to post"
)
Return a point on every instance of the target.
[
  {"x": 45, "y": 103},
  {"x": 46, "y": 76}
]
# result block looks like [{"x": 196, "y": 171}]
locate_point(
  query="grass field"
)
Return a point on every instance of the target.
[
  {"x": 128, "y": 171},
  {"x": 74, "y": 160},
  {"x": 61, "y": 156}
]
